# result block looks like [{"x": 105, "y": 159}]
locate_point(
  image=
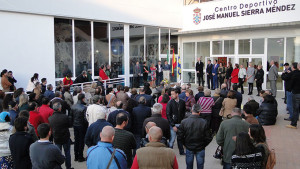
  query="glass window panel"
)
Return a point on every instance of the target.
[
  {"x": 63, "y": 47},
  {"x": 151, "y": 45},
  {"x": 244, "y": 46},
  {"x": 258, "y": 46},
  {"x": 164, "y": 41},
  {"x": 188, "y": 77},
  {"x": 203, "y": 50},
  {"x": 217, "y": 47},
  {"x": 228, "y": 46},
  {"x": 82, "y": 46},
  {"x": 189, "y": 55},
  {"x": 174, "y": 42},
  {"x": 101, "y": 48},
  {"x": 276, "y": 52},
  {"x": 292, "y": 49},
  {"x": 136, "y": 51},
  {"x": 117, "y": 49}
]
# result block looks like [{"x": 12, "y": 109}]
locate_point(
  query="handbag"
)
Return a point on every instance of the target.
[{"x": 218, "y": 153}]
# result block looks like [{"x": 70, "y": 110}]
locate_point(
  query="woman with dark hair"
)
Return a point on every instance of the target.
[
  {"x": 32, "y": 97},
  {"x": 164, "y": 102},
  {"x": 228, "y": 75},
  {"x": 246, "y": 156},
  {"x": 2, "y": 95},
  {"x": 6, "y": 100},
  {"x": 234, "y": 74},
  {"x": 228, "y": 104},
  {"x": 200, "y": 93},
  {"x": 17, "y": 94},
  {"x": 190, "y": 100},
  {"x": 267, "y": 111},
  {"x": 216, "y": 119},
  {"x": 257, "y": 133},
  {"x": 145, "y": 72},
  {"x": 32, "y": 82},
  {"x": 133, "y": 93},
  {"x": 131, "y": 103},
  {"x": 147, "y": 89},
  {"x": 221, "y": 74}
]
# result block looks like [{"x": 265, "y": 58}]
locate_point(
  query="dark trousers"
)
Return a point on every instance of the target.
[
  {"x": 250, "y": 87},
  {"x": 221, "y": 81},
  {"x": 136, "y": 81},
  {"x": 207, "y": 117},
  {"x": 258, "y": 86},
  {"x": 241, "y": 82},
  {"x": 67, "y": 147},
  {"x": 79, "y": 133},
  {"x": 159, "y": 78},
  {"x": 145, "y": 77},
  {"x": 209, "y": 81},
  {"x": 296, "y": 104},
  {"x": 200, "y": 79},
  {"x": 215, "y": 123},
  {"x": 228, "y": 82}
]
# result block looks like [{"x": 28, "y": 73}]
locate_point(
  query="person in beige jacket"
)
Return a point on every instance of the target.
[
  {"x": 228, "y": 104},
  {"x": 4, "y": 81}
]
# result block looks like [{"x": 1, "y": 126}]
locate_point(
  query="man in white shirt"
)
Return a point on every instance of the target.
[{"x": 242, "y": 75}]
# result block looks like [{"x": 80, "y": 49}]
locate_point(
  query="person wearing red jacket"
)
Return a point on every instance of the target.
[
  {"x": 34, "y": 116},
  {"x": 102, "y": 73},
  {"x": 67, "y": 81},
  {"x": 234, "y": 74},
  {"x": 45, "y": 111},
  {"x": 155, "y": 154}
]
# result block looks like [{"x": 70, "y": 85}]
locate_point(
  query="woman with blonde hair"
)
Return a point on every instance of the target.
[
  {"x": 228, "y": 104},
  {"x": 23, "y": 102},
  {"x": 37, "y": 90}
]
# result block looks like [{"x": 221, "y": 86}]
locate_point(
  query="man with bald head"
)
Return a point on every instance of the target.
[
  {"x": 155, "y": 154},
  {"x": 103, "y": 155}
]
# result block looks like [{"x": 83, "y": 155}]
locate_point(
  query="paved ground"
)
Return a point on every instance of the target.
[{"x": 283, "y": 140}]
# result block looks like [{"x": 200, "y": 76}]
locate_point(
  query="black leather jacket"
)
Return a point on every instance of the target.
[
  {"x": 175, "y": 111},
  {"x": 267, "y": 113},
  {"x": 78, "y": 112},
  {"x": 194, "y": 133}
]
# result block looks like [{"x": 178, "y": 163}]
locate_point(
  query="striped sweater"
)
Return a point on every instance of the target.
[{"x": 206, "y": 104}]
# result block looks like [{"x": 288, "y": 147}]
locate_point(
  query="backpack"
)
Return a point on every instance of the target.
[{"x": 271, "y": 159}]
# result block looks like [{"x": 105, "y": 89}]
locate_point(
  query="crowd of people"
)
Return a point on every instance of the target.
[{"x": 137, "y": 127}]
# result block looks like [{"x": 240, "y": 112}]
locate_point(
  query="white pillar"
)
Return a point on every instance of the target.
[
  {"x": 126, "y": 55},
  {"x": 92, "y": 50}
]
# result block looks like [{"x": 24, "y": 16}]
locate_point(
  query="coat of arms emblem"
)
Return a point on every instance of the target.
[{"x": 197, "y": 16}]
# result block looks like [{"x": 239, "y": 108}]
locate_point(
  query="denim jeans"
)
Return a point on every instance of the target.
[
  {"x": 296, "y": 104},
  {"x": 79, "y": 133},
  {"x": 226, "y": 165},
  {"x": 215, "y": 82},
  {"x": 200, "y": 158},
  {"x": 289, "y": 103},
  {"x": 172, "y": 140},
  {"x": 67, "y": 147}
]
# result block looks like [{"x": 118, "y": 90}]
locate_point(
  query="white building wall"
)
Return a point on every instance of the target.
[
  {"x": 163, "y": 13},
  {"x": 27, "y": 46}
]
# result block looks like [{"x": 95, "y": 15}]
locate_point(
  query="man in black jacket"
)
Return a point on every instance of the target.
[
  {"x": 64, "y": 105},
  {"x": 80, "y": 125},
  {"x": 195, "y": 134},
  {"x": 158, "y": 120},
  {"x": 209, "y": 69},
  {"x": 59, "y": 123},
  {"x": 159, "y": 73},
  {"x": 19, "y": 144},
  {"x": 295, "y": 86},
  {"x": 199, "y": 70},
  {"x": 81, "y": 78},
  {"x": 175, "y": 113}
]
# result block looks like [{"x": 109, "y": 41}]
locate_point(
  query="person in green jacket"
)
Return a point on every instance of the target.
[{"x": 227, "y": 133}]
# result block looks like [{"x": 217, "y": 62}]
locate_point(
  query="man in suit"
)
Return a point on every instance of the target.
[
  {"x": 215, "y": 75},
  {"x": 199, "y": 70},
  {"x": 273, "y": 75},
  {"x": 136, "y": 75},
  {"x": 159, "y": 73},
  {"x": 209, "y": 74},
  {"x": 166, "y": 66}
]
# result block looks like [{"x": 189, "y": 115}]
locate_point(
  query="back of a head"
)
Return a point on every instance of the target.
[
  {"x": 57, "y": 94},
  {"x": 119, "y": 104},
  {"x": 32, "y": 106},
  {"x": 57, "y": 106},
  {"x": 235, "y": 87},
  {"x": 149, "y": 125},
  {"x": 133, "y": 91},
  {"x": 231, "y": 94},
  {"x": 45, "y": 100},
  {"x": 20, "y": 123},
  {"x": 126, "y": 89},
  {"x": 244, "y": 145},
  {"x": 81, "y": 97},
  {"x": 196, "y": 108},
  {"x": 183, "y": 87},
  {"x": 257, "y": 133},
  {"x": 23, "y": 99},
  {"x": 236, "y": 111},
  {"x": 155, "y": 134},
  {"x": 121, "y": 117},
  {"x": 269, "y": 99},
  {"x": 248, "y": 109},
  {"x": 78, "y": 89},
  {"x": 24, "y": 113},
  {"x": 43, "y": 130},
  {"x": 157, "y": 107},
  {"x": 223, "y": 86},
  {"x": 295, "y": 65},
  {"x": 207, "y": 92},
  {"x": 121, "y": 88},
  {"x": 217, "y": 92},
  {"x": 96, "y": 99},
  {"x": 142, "y": 90},
  {"x": 49, "y": 86},
  {"x": 142, "y": 100},
  {"x": 200, "y": 88},
  {"x": 107, "y": 134}
]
